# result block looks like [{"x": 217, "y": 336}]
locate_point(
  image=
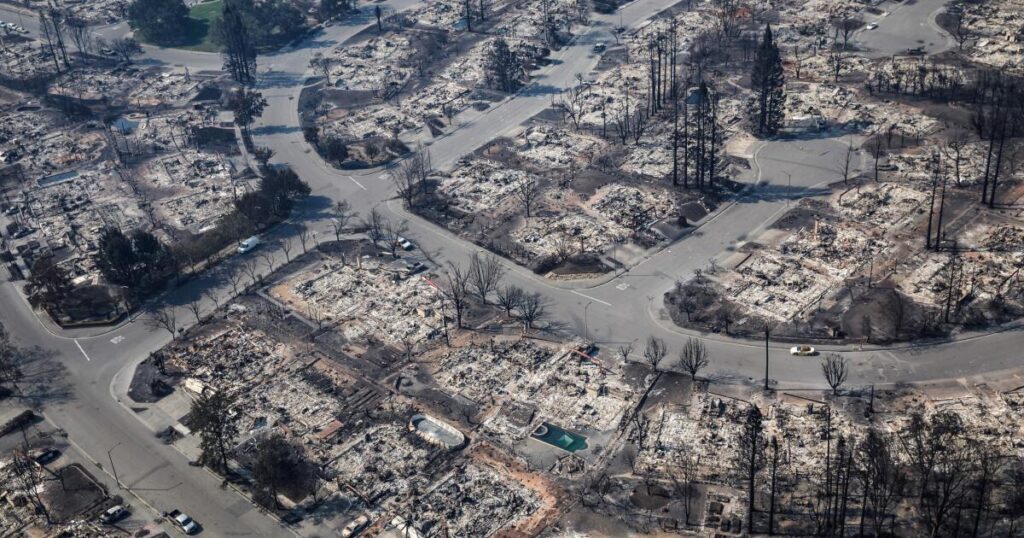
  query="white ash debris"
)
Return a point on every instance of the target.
[
  {"x": 834, "y": 250},
  {"x": 435, "y": 100},
  {"x": 199, "y": 190},
  {"x": 777, "y": 286},
  {"x": 368, "y": 122},
  {"x": 482, "y": 185},
  {"x": 477, "y": 501},
  {"x": 999, "y": 33},
  {"x": 988, "y": 266},
  {"x": 553, "y": 147},
  {"x": 630, "y": 207},
  {"x": 880, "y": 205},
  {"x": 368, "y": 301},
  {"x": 566, "y": 234},
  {"x": 385, "y": 462},
  {"x": 139, "y": 87},
  {"x": 649, "y": 160},
  {"x": 372, "y": 64},
  {"x": 484, "y": 372},
  {"x": 443, "y": 14}
]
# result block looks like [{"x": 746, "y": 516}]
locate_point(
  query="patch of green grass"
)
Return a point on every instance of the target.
[
  {"x": 197, "y": 34},
  {"x": 200, "y": 18}
]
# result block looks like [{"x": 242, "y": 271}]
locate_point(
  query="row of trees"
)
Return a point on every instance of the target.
[{"x": 932, "y": 476}]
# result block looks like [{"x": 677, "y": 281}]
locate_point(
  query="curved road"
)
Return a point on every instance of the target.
[{"x": 94, "y": 366}]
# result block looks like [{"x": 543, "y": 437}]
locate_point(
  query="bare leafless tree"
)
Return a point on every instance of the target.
[
  {"x": 28, "y": 477},
  {"x": 196, "y": 307},
  {"x": 457, "y": 290},
  {"x": 485, "y": 274},
  {"x": 847, "y": 163},
  {"x": 834, "y": 368},
  {"x": 251, "y": 268},
  {"x": 654, "y": 351},
  {"x": 304, "y": 237},
  {"x": 286, "y": 247},
  {"x": 954, "y": 148},
  {"x": 237, "y": 279},
  {"x": 342, "y": 214},
  {"x": 163, "y": 318},
  {"x": 393, "y": 235},
  {"x": 268, "y": 257},
  {"x": 573, "y": 102},
  {"x": 962, "y": 31},
  {"x": 374, "y": 224},
  {"x": 509, "y": 298},
  {"x": 624, "y": 351},
  {"x": 694, "y": 357},
  {"x": 212, "y": 296},
  {"x": 531, "y": 309},
  {"x": 527, "y": 191}
]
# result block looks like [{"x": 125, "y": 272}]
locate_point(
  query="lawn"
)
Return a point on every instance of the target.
[
  {"x": 200, "y": 21},
  {"x": 201, "y": 18}
]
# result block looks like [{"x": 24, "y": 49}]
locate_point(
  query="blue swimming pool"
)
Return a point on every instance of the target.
[{"x": 564, "y": 439}]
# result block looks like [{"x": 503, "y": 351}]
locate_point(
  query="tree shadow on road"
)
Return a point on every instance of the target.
[{"x": 45, "y": 377}]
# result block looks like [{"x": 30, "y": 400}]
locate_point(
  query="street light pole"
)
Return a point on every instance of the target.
[
  {"x": 112, "y": 467},
  {"x": 586, "y": 327}
]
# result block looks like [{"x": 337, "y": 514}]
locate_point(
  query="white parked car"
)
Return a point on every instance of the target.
[
  {"x": 872, "y": 26},
  {"x": 405, "y": 243},
  {"x": 802, "y": 351},
  {"x": 249, "y": 244}
]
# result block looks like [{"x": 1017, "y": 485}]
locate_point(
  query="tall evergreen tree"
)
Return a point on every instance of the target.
[
  {"x": 768, "y": 82},
  {"x": 239, "y": 46},
  {"x": 211, "y": 417}
]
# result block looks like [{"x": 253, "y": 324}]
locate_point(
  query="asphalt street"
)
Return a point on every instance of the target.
[
  {"x": 92, "y": 367},
  {"x": 904, "y": 26}
]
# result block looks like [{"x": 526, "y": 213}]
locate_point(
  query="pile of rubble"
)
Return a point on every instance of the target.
[
  {"x": 372, "y": 300},
  {"x": 476, "y": 501},
  {"x": 373, "y": 64},
  {"x": 630, "y": 207},
  {"x": 482, "y": 185},
  {"x": 996, "y": 26}
]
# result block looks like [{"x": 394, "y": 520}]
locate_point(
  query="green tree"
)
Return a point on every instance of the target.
[
  {"x": 232, "y": 33},
  {"x": 139, "y": 260},
  {"x": 211, "y": 417},
  {"x": 48, "y": 284},
  {"x": 279, "y": 464},
  {"x": 247, "y": 106},
  {"x": 768, "y": 82},
  {"x": 502, "y": 67},
  {"x": 158, "y": 21}
]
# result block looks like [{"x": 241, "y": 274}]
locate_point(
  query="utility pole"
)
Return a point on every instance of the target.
[
  {"x": 766, "y": 335},
  {"x": 112, "y": 468},
  {"x": 586, "y": 327}
]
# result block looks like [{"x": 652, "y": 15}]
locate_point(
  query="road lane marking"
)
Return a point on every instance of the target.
[
  {"x": 84, "y": 354},
  {"x": 595, "y": 299},
  {"x": 357, "y": 183},
  {"x": 117, "y": 339}
]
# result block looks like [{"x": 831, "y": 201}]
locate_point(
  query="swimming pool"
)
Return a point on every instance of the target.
[{"x": 558, "y": 437}]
